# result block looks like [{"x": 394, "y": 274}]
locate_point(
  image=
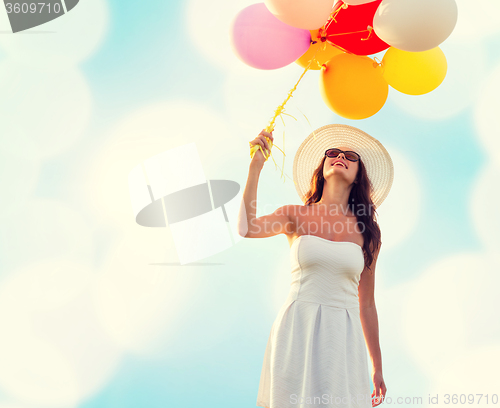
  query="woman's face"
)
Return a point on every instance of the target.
[{"x": 341, "y": 167}]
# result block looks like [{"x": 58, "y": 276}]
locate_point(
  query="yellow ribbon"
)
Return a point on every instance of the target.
[{"x": 280, "y": 110}]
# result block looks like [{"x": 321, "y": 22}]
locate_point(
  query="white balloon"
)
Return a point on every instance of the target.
[
  {"x": 415, "y": 25},
  {"x": 306, "y": 14}
]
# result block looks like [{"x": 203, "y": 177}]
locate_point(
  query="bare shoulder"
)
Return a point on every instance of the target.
[
  {"x": 277, "y": 222},
  {"x": 289, "y": 210},
  {"x": 294, "y": 210},
  {"x": 285, "y": 209}
]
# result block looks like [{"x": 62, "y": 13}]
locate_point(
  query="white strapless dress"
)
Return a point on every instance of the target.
[{"x": 316, "y": 355}]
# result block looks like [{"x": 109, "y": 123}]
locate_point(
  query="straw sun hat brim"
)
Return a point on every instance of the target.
[{"x": 374, "y": 156}]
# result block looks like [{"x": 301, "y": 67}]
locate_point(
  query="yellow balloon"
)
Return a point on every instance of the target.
[
  {"x": 353, "y": 86},
  {"x": 321, "y": 51},
  {"x": 414, "y": 73}
]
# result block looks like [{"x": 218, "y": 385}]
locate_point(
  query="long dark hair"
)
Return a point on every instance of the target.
[{"x": 360, "y": 203}]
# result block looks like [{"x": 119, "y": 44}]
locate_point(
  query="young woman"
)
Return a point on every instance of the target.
[{"x": 316, "y": 351}]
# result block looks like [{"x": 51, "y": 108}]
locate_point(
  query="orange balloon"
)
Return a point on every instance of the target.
[
  {"x": 353, "y": 86},
  {"x": 321, "y": 51}
]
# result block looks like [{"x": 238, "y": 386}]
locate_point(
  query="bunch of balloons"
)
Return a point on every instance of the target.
[{"x": 338, "y": 37}]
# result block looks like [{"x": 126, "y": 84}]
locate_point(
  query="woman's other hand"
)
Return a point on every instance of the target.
[{"x": 379, "y": 389}]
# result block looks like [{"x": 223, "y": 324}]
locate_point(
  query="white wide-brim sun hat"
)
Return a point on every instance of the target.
[{"x": 374, "y": 156}]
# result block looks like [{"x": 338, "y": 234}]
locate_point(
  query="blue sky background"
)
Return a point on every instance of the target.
[{"x": 94, "y": 314}]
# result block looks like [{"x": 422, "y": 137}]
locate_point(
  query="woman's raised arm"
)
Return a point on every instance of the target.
[{"x": 249, "y": 226}]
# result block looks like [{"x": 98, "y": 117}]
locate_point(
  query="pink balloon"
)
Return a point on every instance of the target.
[{"x": 262, "y": 41}]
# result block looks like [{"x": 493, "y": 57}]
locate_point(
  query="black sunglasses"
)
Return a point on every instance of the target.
[{"x": 349, "y": 155}]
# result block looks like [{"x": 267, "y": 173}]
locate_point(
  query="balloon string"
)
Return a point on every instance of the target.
[
  {"x": 340, "y": 48},
  {"x": 352, "y": 32},
  {"x": 343, "y": 49},
  {"x": 332, "y": 19},
  {"x": 279, "y": 112},
  {"x": 370, "y": 29},
  {"x": 283, "y": 155},
  {"x": 287, "y": 114},
  {"x": 321, "y": 47},
  {"x": 313, "y": 131},
  {"x": 335, "y": 14}
]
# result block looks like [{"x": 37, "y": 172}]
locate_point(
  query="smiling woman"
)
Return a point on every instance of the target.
[{"x": 316, "y": 349}]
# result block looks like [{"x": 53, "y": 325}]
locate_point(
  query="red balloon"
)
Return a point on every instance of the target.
[{"x": 349, "y": 29}]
